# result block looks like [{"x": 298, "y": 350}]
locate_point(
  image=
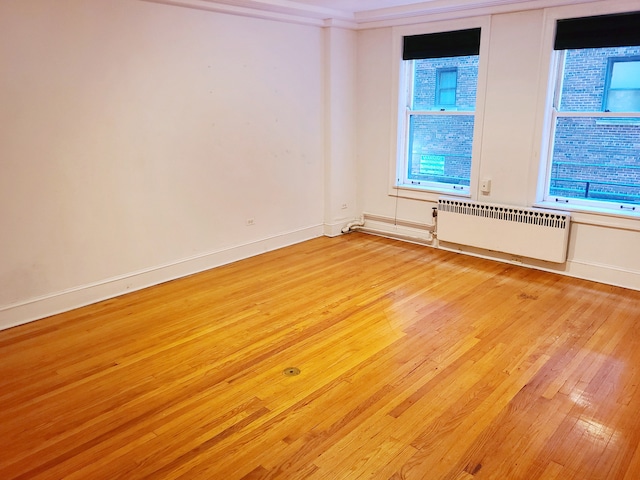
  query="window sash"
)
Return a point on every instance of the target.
[
  {"x": 608, "y": 118},
  {"x": 621, "y": 206},
  {"x": 405, "y": 177}
]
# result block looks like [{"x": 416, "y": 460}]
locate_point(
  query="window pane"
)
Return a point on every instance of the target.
[
  {"x": 447, "y": 97},
  {"x": 447, "y": 79},
  {"x": 596, "y": 158},
  {"x": 585, "y": 77},
  {"x": 440, "y": 148},
  {"x": 623, "y": 101},
  {"x": 463, "y": 82},
  {"x": 625, "y": 75}
]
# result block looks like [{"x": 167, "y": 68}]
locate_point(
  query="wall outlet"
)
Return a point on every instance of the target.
[
  {"x": 344, "y": 206},
  {"x": 249, "y": 222}
]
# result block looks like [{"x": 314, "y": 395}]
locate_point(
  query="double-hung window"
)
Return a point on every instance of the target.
[
  {"x": 438, "y": 110},
  {"x": 594, "y": 152}
]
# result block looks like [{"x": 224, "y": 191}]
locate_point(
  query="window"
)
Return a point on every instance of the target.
[
  {"x": 438, "y": 110},
  {"x": 622, "y": 91},
  {"x": 446, "y": 85},
  {"x": 594, "y": 155}
]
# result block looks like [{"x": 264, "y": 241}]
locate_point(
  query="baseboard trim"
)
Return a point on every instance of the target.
[
  {"x": 334, "y": 229},
  {"x": 54, "y": 303},
  {"x": 607, "y": 274},
  {"x": 611, "y": 275}
]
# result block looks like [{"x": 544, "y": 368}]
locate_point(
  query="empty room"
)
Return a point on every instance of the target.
[{"x": 320, "y": 239}]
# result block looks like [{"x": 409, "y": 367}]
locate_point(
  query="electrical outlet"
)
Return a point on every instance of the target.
[
  {"x": 249, "y": 222},
  {"x": 344, "y": 206}
]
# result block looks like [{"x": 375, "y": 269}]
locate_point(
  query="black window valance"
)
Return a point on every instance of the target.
[
  {"x": 458, "y": 43},
  {"x": 618, "y": 30}
]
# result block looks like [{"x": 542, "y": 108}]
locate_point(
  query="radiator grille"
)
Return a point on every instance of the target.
[{"x": 510, "y": 214}]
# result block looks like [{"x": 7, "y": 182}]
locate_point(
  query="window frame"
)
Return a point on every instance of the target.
[
  {"x": 588, "y": 215},
  {"x": 398, "y": 161},
  {"x": 567, "y": 203},
  {"x": 437, "y": 110}
]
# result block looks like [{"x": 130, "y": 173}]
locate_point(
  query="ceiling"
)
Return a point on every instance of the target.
[
  {"x": 354, "y": 10},
  {"x": 359, "y": 13},
  {"x": 353, "y": 6}
]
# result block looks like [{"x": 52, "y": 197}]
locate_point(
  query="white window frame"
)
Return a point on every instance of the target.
[
  {"x": 437, "y": 110},
  {"x": 581, "y": 214},
  {"x": 557, "y": 73},
  {"x": 398, "y": 164}
]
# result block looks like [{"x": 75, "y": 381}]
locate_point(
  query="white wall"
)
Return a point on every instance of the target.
[
  {"x": 340, "y": 126},
  {"x": 138, "y": 138},
  {"x": 602, "y": 248}
]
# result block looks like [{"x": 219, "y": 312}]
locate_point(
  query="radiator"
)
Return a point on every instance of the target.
[{"x": 526, "y": 232}]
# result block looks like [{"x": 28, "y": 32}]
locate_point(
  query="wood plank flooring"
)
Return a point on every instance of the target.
[{"x": 415, "y": 364}]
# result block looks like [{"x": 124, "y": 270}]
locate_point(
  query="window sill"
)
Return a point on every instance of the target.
[
  {"x": 431, "y": 194},
  {"x": 618, "y": 121},
  {"x": 601, "y": 217}
]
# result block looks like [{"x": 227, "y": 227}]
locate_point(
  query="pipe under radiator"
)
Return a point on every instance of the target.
[
  {"x": 394, "y": 235},
  {"x": 360, "y": 226}
]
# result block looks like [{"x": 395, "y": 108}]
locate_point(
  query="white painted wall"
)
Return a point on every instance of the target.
[
  {"x": 138, "y": 138},
  {"x": 602, "y": 248},
  {"x": 340, "y": 126}
]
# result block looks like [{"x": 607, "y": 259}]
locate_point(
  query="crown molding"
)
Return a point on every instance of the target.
[
  {"x": 302, "y": 13},
  {"x": 433, "y": 7},
  {"x": 207, "y": 6},
  {"x": 278, "y": 10},
  {"x": 451, "y": 9},
  {"x": 288, "y": 7}
]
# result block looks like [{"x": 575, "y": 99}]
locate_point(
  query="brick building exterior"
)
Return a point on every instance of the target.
[{"x": 594, "y": 157}]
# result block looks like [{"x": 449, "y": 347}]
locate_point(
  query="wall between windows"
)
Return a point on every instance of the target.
[
  {"x": 139, "y": 138},
  {"x": 601, "y": 248}
]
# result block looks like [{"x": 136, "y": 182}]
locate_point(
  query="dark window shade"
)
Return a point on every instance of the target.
[
  {"x": 458, "y": 43},
  {"x": 619, "y": 30}
]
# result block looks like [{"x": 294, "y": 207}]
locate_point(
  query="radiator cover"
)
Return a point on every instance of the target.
[{"x": 527, "y": 232}]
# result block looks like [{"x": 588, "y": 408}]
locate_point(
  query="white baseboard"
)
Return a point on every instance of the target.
[
  {"x": 334, "y": 229},
  {"x": 41, "y": 307},
  {"x": 608, "y": 274}
]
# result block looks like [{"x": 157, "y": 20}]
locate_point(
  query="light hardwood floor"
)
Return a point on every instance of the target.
[{"x": 415, "y": 364}]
